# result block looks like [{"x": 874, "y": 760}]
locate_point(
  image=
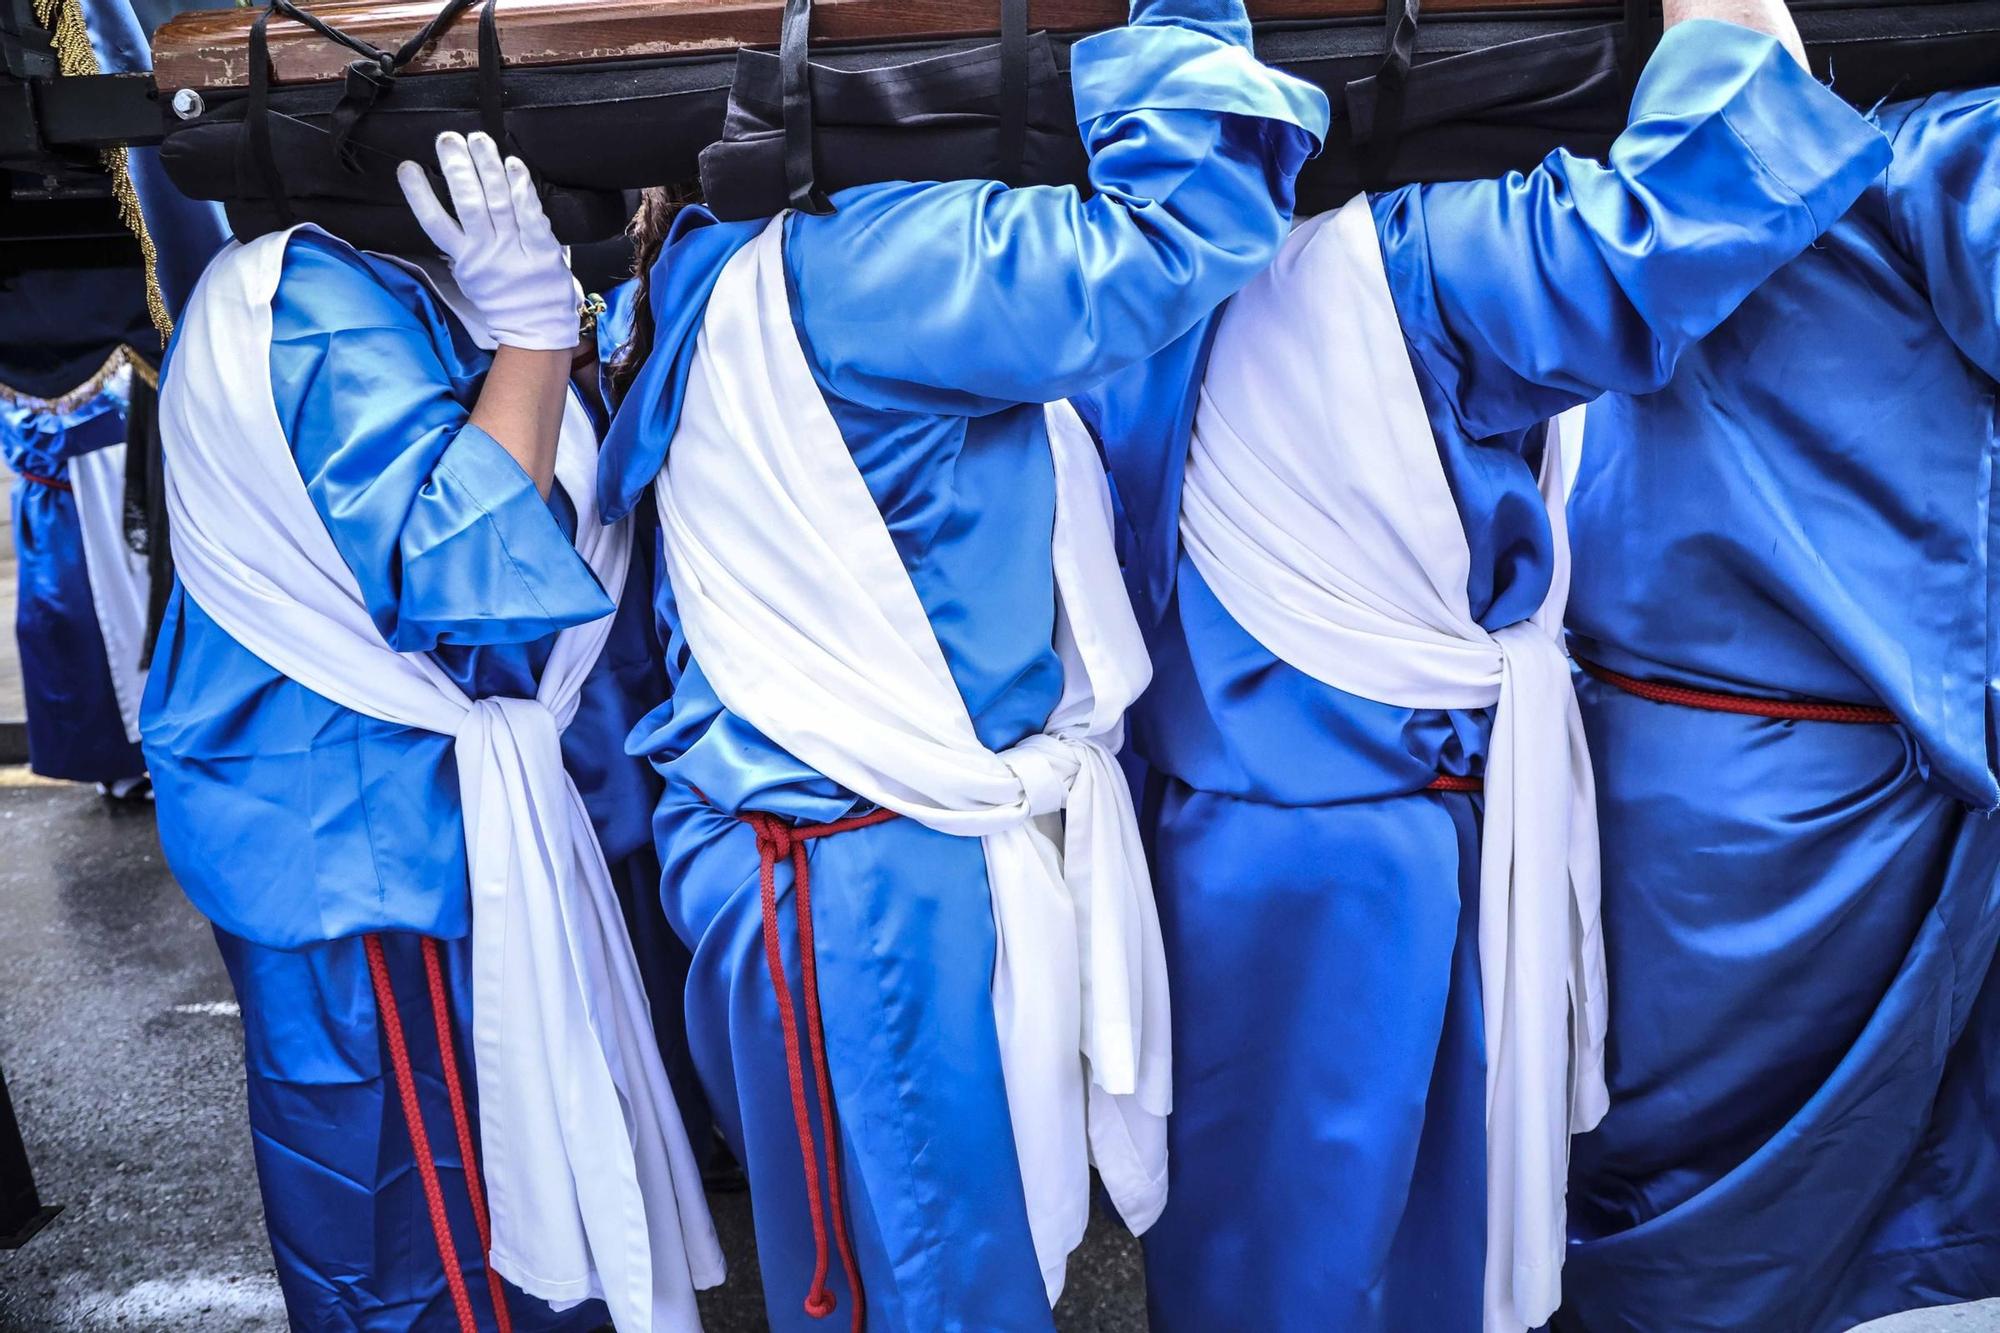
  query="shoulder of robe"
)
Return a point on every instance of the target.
[
  {"x": 1947, "y": 147},
  {"x": 1965, "y": 119},
  {"x": 331, "y": 284}
]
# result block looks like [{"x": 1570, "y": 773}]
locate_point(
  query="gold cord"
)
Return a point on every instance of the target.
[{"x": 121, "y": 357}]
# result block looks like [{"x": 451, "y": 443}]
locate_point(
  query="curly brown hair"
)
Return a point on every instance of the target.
[{"x": 649, "y": 226}]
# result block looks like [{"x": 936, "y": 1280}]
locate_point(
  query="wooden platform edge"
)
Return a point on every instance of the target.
[{"x": 209, "y": 48}]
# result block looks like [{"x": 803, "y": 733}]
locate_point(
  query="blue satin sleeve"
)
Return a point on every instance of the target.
[
  {"x": 1526, "y": 295},
  {"x": 445, "y": 533},
  {"x": 967, "y": 297},
  {"x": 1944, "y": 197}
]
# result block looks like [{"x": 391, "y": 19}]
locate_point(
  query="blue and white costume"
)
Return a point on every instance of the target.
[
  {"x": 913, "y": 337},
  {"x": 1347, "y": 549},
  {"x": 80, "y": 616},
  {"x": 1801, "y": 916},
  {"x": 315, "y": 834}
]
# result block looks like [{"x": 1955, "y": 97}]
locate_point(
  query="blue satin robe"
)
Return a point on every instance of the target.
[
  {"x": 75, "y": 728},
  {"x": 1802, "y": 917},
  {"x": 1320, "y": 907},
  {"x": 936, "y": 319},
  {"x": 297, "y": 825}
]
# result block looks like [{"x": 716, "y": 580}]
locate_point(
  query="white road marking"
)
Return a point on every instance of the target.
[{"x": 212, "y": 1009}]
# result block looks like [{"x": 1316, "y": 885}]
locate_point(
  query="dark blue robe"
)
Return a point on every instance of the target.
[
  {"x": 75, "y": 727},
  {"x": 1801, "y": 917},
  {"x": 1320, "y": 906},
  {"x": 937, "y": 319},
  {"x": 298, "y": 826}
]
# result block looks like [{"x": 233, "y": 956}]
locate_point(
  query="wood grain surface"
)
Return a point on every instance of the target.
[{"x": 209, "y": 48}]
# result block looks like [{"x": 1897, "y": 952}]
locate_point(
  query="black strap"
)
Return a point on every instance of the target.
[
  {"x": 492, "y": 78},
  {"x": 1642, "y": 34},
  {"x": 257, "y": 155},
  {"x": 366, "y": 81},
  {"x": 802, "y": 190},
  {"x": 432, "y": 31},
  {"x": 1013, "y": 91},
  {"x": 372, "y": 75},
  {"x": 366, "y": 50},
  {"x": 1385, "y": 129}
]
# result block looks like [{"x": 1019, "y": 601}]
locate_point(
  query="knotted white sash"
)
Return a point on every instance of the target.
[
  {"x": 118, "y": 579},
  {"x": 1316, "y": 508},
  {"x": 799, "y": 609},
  {"x": 593, "y": 1189}
]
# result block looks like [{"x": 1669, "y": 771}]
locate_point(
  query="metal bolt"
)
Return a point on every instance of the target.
[{"x": 188, "y": 104}]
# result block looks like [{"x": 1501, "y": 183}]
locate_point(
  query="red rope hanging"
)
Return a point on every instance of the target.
[
  {"x": 778, "y": 841},
  {"x": 420, "y": 1143},
  {"x": 461, "y": 1120}
]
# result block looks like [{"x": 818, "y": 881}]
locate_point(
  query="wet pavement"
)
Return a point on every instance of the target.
[
  {"x": 122, "y": 1050},
  {"x": 123, "y": 1053}
]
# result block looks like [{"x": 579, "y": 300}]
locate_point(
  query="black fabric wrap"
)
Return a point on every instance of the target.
[
  {"x": 896, "y": 115},
  {"x": 146, "y": 507},
  {"x": 58, "y": 324},
  {"x": 1481, "y": 94}
]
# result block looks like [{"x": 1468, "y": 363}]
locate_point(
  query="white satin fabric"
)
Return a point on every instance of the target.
[
  {"x": 593, "y": 1188},
  {"x": 1317, "y": 509},
  {"x": 118, "y": 579},
  {"x": 805, "y": 622}
]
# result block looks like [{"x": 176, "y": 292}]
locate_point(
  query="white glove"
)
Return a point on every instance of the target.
[{"x": 502, "y": 253}]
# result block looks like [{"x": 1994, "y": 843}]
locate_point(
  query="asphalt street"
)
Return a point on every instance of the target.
[
  {"x": 123, "y": 1050},
  {"x": 123, "y": 1053}
]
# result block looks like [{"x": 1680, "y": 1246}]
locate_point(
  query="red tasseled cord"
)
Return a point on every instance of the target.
[
  {"x": 1714, "y": 701},
  {"x": 1452, "y": 782},
  {"x": 462, "y": 1121},
  {"x": 420, "y": 1143},
  {"x": 50, "y": 482},
  {"x": 777, "y": 841}
]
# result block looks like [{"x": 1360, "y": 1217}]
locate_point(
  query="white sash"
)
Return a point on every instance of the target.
[
  {"x": 804, "y": 620},
  {"x": 1316, "y": 508},
  {"x": 118, "y": 579},
  {"x": 593, "y": 1188}
]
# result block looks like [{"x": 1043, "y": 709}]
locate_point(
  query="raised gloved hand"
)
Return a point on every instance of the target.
[{"x": 502, "y": 252}]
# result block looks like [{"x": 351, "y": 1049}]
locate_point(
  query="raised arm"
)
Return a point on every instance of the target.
[
  {"x": 444, "y": 530},
  {"x": 1524, "y": 296},
  {"x": 968, "y": 296}
]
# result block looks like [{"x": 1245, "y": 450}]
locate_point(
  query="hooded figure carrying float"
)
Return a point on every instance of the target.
[
  {"x": 927, "y": 992},
  {"x": 394, "y": 596},
  {"x": 1788, "y": 605},
  {"x": 1370, "y": 809},
  {"x": 80, "y": 609}
]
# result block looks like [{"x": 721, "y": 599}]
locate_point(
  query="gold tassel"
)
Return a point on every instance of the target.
[
  {"x": 121, "y": 357},
  {"x": 64, "y": 20}
]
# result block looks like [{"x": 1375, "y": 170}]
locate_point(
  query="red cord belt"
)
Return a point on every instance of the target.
[
  {"x": 1715, "y": 701},
  {"x": 420, "y": 1144},
  {"x": 779, "y": 841},
  {"x": 52, "y": 483}
]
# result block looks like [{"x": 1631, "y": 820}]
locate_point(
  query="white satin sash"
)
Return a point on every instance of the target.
[
  {"x": 118, "y": 579},
  {"x": 1317, "y": 510},
  {"x": 593, "y": 1188},
  {"x": 804, "y": 620}
]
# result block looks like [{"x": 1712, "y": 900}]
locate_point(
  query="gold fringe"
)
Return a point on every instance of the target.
[
  {"x": 64, "y": 20},
  {"x": 144, "y": 370},
  {"x": 121, "y": 357}
]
